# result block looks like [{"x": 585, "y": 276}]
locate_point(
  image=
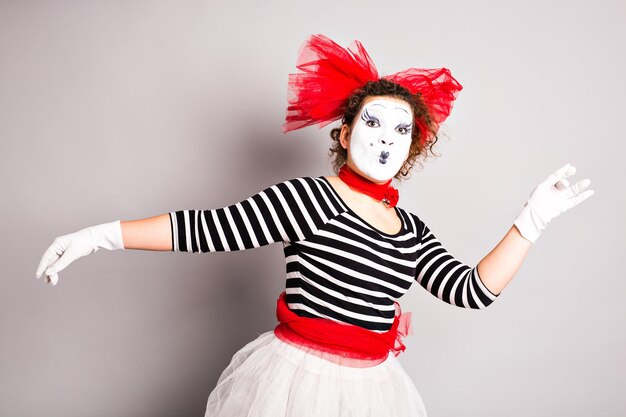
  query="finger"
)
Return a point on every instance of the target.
[
  {"x": 48, "y": 258},
  {"x": 54, "y": 279},
  {"x": 577, "y": 188},
  {"x": 579, "y": 199},
  {"x": 561, "y": 185},
  {"x": 565, "y": 171},
  {"x": 62, "y": 263}
]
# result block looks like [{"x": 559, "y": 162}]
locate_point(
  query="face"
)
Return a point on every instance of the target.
[{"x": 380, "y": 139}]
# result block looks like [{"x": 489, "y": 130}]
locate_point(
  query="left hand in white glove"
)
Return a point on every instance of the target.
[
  {"x": 68, "y": 248},
  {"x": 552, "y": 197}
]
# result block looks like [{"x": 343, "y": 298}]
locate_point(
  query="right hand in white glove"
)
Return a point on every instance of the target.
[
  {"x": 67, "y": 248},
  {"x": 551, "y": 198}
]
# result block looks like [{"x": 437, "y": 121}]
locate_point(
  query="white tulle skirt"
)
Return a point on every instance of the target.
[{"x": 271, "y": 378}]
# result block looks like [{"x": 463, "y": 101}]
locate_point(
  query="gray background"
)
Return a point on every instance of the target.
[{"x": 129, "y": 109}]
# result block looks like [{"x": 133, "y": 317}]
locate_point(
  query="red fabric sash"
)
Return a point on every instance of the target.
[{"x": 341, "y": 342}]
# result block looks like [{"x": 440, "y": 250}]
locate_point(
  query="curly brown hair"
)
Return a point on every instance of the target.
[{"x": 383, "y": 87}]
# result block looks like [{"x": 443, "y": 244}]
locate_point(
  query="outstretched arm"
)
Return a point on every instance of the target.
[
  {"x": 283, "y": 212},
  {"x": 152, "y": 233},
  {"x": 156, "y": 233},
  {"x": 447, "y": 278},
  {"x": 551, "y": 198},
  {"x": 500, "y": 265},
  {"x": 459, "y": 284}
]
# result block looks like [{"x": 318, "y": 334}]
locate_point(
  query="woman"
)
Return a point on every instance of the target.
[{"x": 350, "y": 251}]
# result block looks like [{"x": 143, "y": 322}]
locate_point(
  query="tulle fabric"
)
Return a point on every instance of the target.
[
  {"x": 330, "y": 74},
  {"x": 437, "y": 89},
  {"x": 268, "y": 377}
]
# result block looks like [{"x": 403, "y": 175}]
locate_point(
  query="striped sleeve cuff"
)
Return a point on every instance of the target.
[{"x": 483, "y": 293}]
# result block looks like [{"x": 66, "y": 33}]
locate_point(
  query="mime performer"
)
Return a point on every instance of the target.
[{"x": 350, "y": 251}]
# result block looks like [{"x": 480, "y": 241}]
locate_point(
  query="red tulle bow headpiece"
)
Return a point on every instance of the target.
[{"x": 331, "y": 73}]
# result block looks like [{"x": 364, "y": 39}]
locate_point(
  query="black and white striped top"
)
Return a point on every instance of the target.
[{"x": 338, "y": 266}]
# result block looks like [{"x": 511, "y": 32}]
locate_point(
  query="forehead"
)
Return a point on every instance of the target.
[{"x": 387, "y": 104}]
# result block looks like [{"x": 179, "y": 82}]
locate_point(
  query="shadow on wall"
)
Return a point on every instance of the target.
[
  {"x": 267, "y": 155},
  {"x": 237, "y": 291},
  {"x": 237, "y": 294}
]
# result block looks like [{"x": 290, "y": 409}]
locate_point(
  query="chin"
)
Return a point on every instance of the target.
[
  {"x": 373, "y": 172},
  {"x": 380, "y": 177}
]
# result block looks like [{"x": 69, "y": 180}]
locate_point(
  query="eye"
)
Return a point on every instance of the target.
[
  {"x": 372, "y": 123},
  {"x": 403, "y": 130}
]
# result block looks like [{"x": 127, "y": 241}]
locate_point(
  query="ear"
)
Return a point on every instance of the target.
[{"x": 344, "y": 136}]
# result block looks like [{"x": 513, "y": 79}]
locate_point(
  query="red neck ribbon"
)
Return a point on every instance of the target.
[
  {"x": 382, "y": 192},
  {"x": 342, "y": 343}
]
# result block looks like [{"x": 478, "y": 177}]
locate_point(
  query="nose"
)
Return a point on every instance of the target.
[{"x": 383, "y": 141}]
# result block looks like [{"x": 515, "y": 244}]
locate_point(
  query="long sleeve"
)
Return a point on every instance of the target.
[
  {"x": 287, "y": 212},
  {"x": 447, "y": 278}
]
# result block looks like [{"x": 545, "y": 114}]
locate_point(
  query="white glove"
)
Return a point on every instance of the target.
[
  {"x": 67, "y": 248},
  {"x": 552, "y": 197}
]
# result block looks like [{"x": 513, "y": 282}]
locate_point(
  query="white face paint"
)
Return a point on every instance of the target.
[{"x": 381, "y": 138}]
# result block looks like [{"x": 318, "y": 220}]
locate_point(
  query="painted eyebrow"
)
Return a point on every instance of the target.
[
  {"x": 398, "y": 108},
  {"x": 367, "y": 115}
]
